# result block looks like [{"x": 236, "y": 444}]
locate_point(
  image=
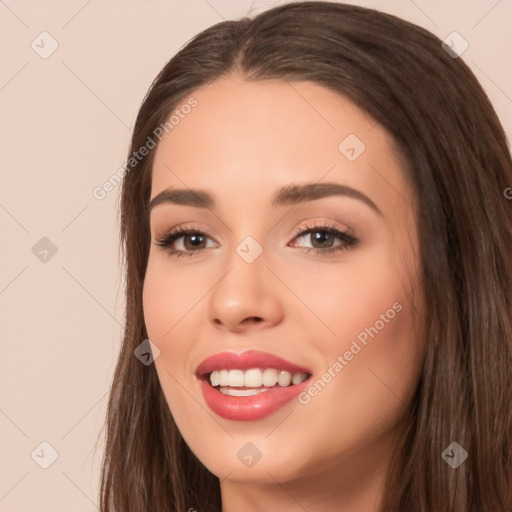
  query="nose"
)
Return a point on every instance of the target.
[{"x": 247, "y": 298}]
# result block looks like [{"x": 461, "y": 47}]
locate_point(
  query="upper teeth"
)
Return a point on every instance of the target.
[{"x": 255, "y": 378}]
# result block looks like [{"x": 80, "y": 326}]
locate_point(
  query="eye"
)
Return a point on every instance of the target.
[
  {"x": 324, "y": 238},
  {"x": 195, "y": 236}
]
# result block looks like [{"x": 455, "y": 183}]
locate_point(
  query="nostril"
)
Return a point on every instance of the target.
[{"x": 253, "y": 319}]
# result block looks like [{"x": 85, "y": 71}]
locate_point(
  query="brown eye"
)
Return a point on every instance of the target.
[
  {"x": 192, "y": 241},
  {"x": 323, "y": 239}
]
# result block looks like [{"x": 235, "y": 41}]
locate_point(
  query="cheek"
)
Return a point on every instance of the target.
[
  {"x": 368, "y": 320},
  {"x": 373, "y": 357},
  {"x": 167, "y": 297},
  {"x": 349, "y": 296},
  {"x": 173, "y": 305},
  {"x": 165, "y": 302}
]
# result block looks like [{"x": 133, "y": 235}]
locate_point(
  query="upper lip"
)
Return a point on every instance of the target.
[{"x": 245, "y": 361}]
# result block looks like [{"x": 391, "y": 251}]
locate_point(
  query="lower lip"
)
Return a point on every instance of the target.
[{"x": 249, "y": 408}]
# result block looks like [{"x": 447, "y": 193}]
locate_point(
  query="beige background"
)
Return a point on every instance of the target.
[{"x": 65, "y": 126}]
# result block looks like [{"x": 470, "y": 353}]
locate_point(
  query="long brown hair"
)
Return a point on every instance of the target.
[{"x": 459, "y": 163}]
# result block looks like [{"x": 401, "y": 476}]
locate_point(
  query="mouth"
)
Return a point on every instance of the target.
[
  {"x": 251, "y": 385},
  {"x": 251, "y": 382}
]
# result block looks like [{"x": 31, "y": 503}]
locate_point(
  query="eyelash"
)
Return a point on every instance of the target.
[{"x": 348, "y": 241}]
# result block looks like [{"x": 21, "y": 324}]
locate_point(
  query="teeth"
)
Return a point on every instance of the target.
[
  {"x": 297, "y": 378},
  {"x": 270, "y": 377},
  {"x": 223, "y": 377},
  {"x": 284, "y": 378},
  {"x": 215, "y": 378},
  {"x": 241, "y": 392},
  {"x": 236, "y": 378},
  {"x": 254, "y": 378}
]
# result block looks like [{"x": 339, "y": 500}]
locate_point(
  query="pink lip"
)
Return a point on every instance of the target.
[
  {"x": 248, "y": 408},
  {"x": 246, "y": 361}
]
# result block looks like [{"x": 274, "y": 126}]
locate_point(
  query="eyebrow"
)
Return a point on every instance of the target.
[{"x": 288, "y": 195}]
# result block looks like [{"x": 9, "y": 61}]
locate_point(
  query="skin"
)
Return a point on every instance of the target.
[{"x": 240, "y": 143}]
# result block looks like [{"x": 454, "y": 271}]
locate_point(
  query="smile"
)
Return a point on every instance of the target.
[
  {"x": 249, "y": 386},
  {"x": 254, "y": 378}
]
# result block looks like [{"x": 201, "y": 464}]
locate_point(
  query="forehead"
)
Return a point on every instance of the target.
[{"x": 253, "y": 137}]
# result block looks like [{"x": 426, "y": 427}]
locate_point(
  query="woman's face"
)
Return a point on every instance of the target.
[{"x": 335, "y": 307}]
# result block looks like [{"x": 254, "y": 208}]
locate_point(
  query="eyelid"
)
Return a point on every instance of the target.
[
  {"x": 323, "y": 225},
  {"x": 316, "y": 224}
]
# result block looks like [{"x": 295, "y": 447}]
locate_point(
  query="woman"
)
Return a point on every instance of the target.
[{"x": 317, "y": 237}]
